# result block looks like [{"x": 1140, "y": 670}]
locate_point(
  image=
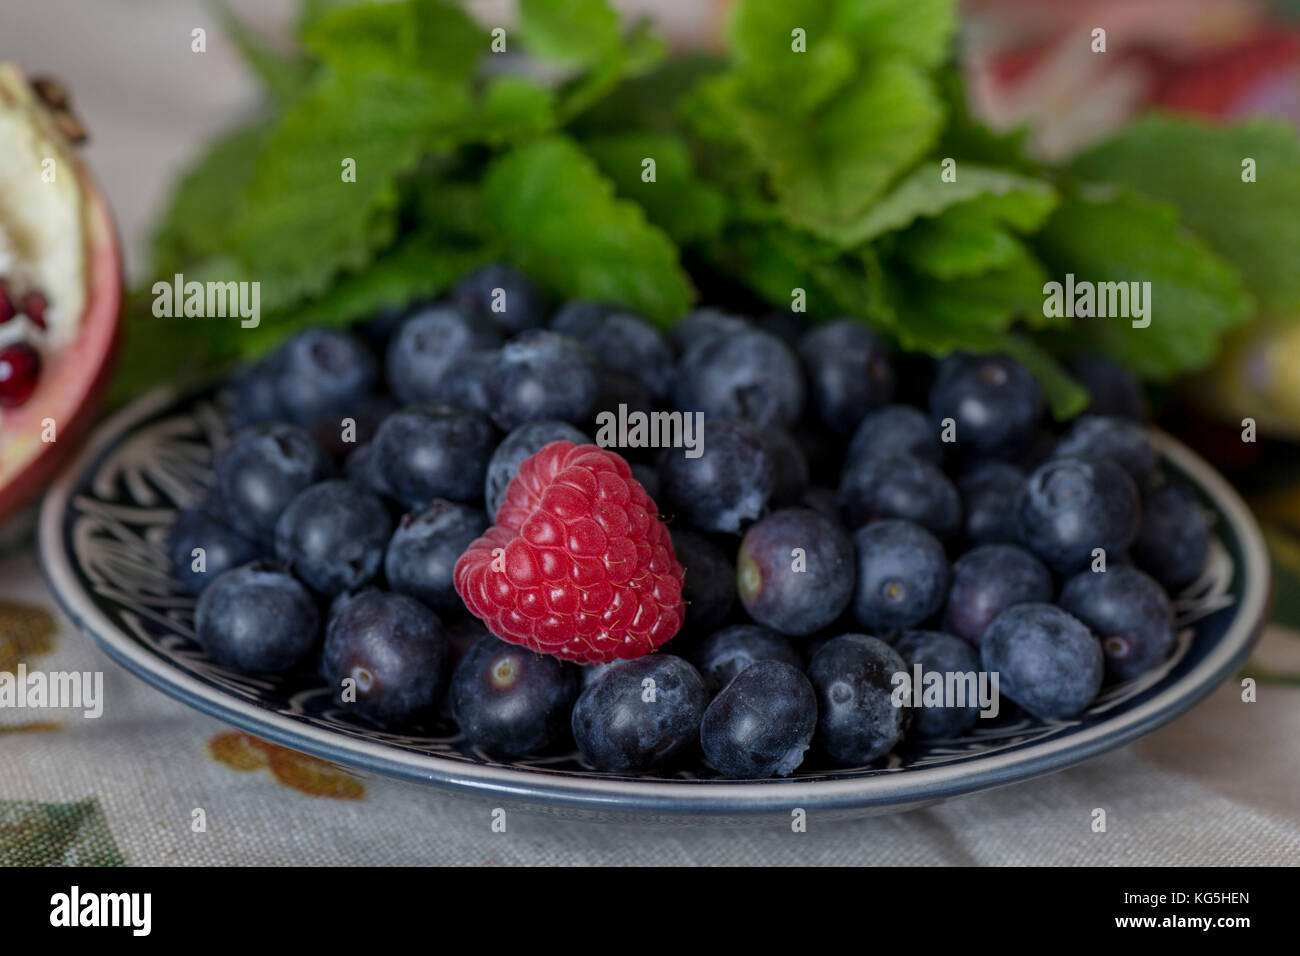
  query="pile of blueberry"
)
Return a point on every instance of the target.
[{"x": 853, "y": 514}]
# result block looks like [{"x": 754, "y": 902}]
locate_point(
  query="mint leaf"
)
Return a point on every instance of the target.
[
  {"x": 989, "y": 300},
  {"x": 1195, "y": 295},
  {"x": 760, "y": 36},
  {"x": 686, "y": 208},
  {"x": 196, "y": 223},
  {"x": 920, "y": 30},
  {"x": 640, "y": 52},
  {"x": 431, "y": 37},
  {"x": 284, "y": 77},
  {"x": 570, "y": 32},
  {"x": 975, "y": 236},
  {"x": 828, "y": 169},
  {"x": 774, "y": 260},
  {"x": 300, "y": 224},
  {"x": 511, "y": 109},
  {"x": 923, "y": 193},
  {"x": 1198, "y": 168},
  {"x": 560, "y": 222}
]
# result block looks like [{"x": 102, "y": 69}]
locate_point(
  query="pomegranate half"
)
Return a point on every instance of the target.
[{"x": 71, "y": 352}]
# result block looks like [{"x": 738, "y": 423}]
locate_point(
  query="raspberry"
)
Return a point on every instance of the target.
[{"x": 578, "y": 565}]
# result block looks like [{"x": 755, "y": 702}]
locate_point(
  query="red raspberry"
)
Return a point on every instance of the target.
[{"x": 578, "y": 564}]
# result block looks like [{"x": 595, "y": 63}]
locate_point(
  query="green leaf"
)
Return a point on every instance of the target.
[
  {"x": 430, "y": 37},
  {"x": 829, "y": 168},
  {"x": 760, "y": 36},
  {"x": 919, "y": 30},
  {"x": 196, "y": 223},
  {"x": 1121, "y": 237},
  {"x": 561, "y": 223},
  {"x": 989, "y": 300},
  {"x": 640, "y": 52},
  {"x": 570, "y": 32},
  {"x": 976, "y": 236},
  {"x": 512, "y": 109},
  {"x": 651, "y": 100},
  {"x": 420, "y": 266},
  {"x": 686, "y": 208},
  {"x": 968, "y": 137},
  {"x": 773, "y": 260},
  {"x": 923, "y": 193},
  {"x": 300, "y": 224},
  {"x": 1198, "y": 168},
  {"x": 284, "y": 77}
]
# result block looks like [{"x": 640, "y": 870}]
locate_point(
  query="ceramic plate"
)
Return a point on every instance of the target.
[{"x": 102, "y": 530}]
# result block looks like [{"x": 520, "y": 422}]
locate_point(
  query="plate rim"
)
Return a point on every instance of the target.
[{"x": 677, "y": 798}]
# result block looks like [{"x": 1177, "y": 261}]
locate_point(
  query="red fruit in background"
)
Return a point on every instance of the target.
[{"x": 578, "y": 565}]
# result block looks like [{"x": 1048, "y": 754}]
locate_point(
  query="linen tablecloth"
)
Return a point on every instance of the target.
[{"x": 1221, "y": 785}]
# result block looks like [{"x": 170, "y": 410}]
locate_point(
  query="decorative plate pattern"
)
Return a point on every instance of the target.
[{"x": 103, "y": 528}]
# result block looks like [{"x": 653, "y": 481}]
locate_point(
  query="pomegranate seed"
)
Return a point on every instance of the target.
[
  {"x": 34, "y": 305},
  {"x": 20, "y": 367},
  {"x": 7, "y": 310}
]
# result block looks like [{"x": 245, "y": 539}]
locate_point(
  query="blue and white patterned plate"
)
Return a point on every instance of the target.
[{"x": 102, "y": 530}]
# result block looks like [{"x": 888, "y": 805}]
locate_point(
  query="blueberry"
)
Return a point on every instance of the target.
[
  {"x": 474, "y": 381},
  {"x": 1129, "y": 612},
  {"x": 727, "y": 486},
  {"x": 223, "y": 548},
  {"x": 500, "y": 295},
  {"x": 394, "y": 651},
  {"x": 1173, "y": 539},
  {"x": 625, "y": 343},
  {"x": 257, "y": 618},
  {"x": 857, "y": 721},
  {"x": 262, "y": 469},
  {"x": 849, "y": 373},
  {"x": 752, "y": 376},
  {"x": 945, "y": 655},
  {"x": 725, "y": 653},
  {"x": 649, "y": 479},
  {"x": 323, "y": 373},
  {"x": 424, "y": 354},
  {"x": 821, "y": 500},
  {"x": 994, "y": 400},
  {"x": 1112, "y": 389},
  {"x": 520, "y": 445},
  {"x": 902, "y": 575},
  {"x": 704, "y": 325},
  {"x": 1123, "y": 441},
  {"x": 895, "y": 428},
  {"x": 1047, "y": 661},
  {"x": 790, "y": 467},
  {"x": 709, "y": 584},
  {"x": 333, "y": 536},
  {"x": 424, "y": 549},
  {"x": 795, "y": 571},
  {"x": 434, "y": 451},
  {"x": 761, "y": 724},
  {"x": 1069, "y": 507},
  {"x": 253, "y": 398},
  {"x": 900, "y": 486},
  {"x": 612, "y": 390},
  {"x": 988, "y": 495},
  {"x": 510, "y": 702},
  {"x": 337, "y": 437},
  {"x": 362, "y": 467},
  {"x": 989, "y": 579},
  {"x": 639, "y": 713},
  {"x": 579, "y": 318},
  {"x": 544, "y": 375}
]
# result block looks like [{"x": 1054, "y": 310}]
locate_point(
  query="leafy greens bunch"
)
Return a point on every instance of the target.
[{"x": 809, "y": 156}]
